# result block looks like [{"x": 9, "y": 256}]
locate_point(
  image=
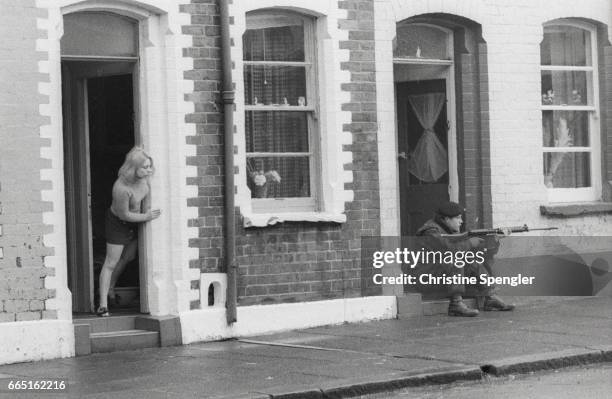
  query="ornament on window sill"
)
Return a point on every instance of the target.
[
  {"x": 285, "y": 102},
  {"x": 262, "y": 181},
  {"x": 576, "y": 97},
  {"x": 302, "y": 101},
  {"x": 418, "y": 52},
  {"x": 548, "y": 98}
]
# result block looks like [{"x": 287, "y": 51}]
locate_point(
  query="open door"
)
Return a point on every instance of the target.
[
  {"x": 76, "y": 175},
  {"x": 99, "y": 129}
]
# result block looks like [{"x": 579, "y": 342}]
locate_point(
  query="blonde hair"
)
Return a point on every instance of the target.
[{"x": 134, "y": 160}]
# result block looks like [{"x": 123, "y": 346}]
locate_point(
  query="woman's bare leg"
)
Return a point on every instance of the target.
[
  {"x": 113, "y": 254},
  {"x": 128, "y": 255}
]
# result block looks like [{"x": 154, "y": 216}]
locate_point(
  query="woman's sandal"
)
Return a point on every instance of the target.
[{"x": 102, "y": 312}]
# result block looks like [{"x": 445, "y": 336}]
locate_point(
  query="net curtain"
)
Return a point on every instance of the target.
[{"x": 429, "y": 159}]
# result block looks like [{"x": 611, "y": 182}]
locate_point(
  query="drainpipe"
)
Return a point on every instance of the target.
[{"x": 228, "y": 123}]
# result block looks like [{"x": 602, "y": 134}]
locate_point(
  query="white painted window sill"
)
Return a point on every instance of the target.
[
  {"x": 575, "y": 209},
  {"x": 270, "y": 219}
]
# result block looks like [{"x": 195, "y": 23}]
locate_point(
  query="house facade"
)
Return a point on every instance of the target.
[{"x": 351, "y": 119}]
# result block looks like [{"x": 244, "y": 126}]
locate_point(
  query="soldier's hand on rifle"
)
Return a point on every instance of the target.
[
  {"x": 506, "y": 231},
  {"x": 476, "y": 242}
]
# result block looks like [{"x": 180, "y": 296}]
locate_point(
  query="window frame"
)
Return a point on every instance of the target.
[
  {"x": 417, "y": 60},
  {"x": 311, "y": 109},
  {"x": 594, "y": 192},
  {"x": 451, "y": 106}
]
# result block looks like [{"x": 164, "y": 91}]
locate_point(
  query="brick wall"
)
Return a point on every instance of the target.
[
  {"x": 515, "y": 115},
  {"x": 22, "y": 251},
  {"x": 208, "y": 118},
  {"x": 293, "y": 261},
  {"x": 473, "y": 135},
  {"x": 310, "y": 261}
]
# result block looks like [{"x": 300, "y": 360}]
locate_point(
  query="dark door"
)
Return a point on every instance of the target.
[
  {"x": 418, "y": 199},
  {"x": 110, "y": 107}
]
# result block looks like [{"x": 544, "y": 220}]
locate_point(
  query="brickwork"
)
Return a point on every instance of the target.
[
  {"x": 208, "y": 117},
  {"x": 310, "y": 261},
  {"x": 468, "y": 135},
  {"x": 22, "y": 258},
  {"x": 516, "y": 119},
  {"x": 486, "y": 211},
  {"x": 292, "y": 261},
  {"x": 473, "y": 135}
]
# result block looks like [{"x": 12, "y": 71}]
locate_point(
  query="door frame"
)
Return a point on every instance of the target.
[
  {"x": 78, "y": 171},
  {"x": 451, "y": 106},
  {"x": 164, "y": 97}
]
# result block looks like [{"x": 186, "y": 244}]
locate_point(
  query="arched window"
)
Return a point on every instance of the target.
[
  {"x": 570, "y": 130},
  {"x": 99, "y": 34},
  {"x": 416, "y": 40},
  {"x": 280, "y": 101}
]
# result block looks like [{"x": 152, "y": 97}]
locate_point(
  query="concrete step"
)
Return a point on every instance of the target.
[
  {"x": 105, "y": 324},
  {"x": 123, "y": 340},
  {"x": 124, "y": 332},
  {"x": 440, "y": 306}
]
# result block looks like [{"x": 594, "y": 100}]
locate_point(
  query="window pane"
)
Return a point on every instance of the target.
[
  {"x": 567, "y": 169},
  {"x": 565, "y": 128},
  {"x": 276, "y": 131},
  {"x": 274, "y": 85},
  {"x": 565, "y": 87},
  {"x": 278, "y": 177},
  {"x": 420, "y": 41},
  {"x": 102, "y": 34},
  {"x": 273, "y": 38},
  {"x": 565, "y": 45}
]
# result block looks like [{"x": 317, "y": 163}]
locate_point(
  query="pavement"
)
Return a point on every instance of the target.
[{"x": 344, "y": 360}]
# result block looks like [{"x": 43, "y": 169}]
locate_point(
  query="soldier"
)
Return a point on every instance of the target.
[{"x": 448, "y": 221}]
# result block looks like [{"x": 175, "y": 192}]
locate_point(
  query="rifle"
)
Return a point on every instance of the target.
[{"x": 497, "y": 231}]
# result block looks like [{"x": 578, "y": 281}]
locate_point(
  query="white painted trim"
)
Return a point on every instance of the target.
[
  {"x": 422, "y": 61},
  {"x": 210, "y": 324},
  {"x": 163, "y": 108},
  {"x": 332, "y": 118},
  {"x": 129, "y": 8},
  {"x": 384, "y": 32},
  {"x": 27, "y": 341},
  {"x": 56, "y": 239},
  {"x": 269, "y": 219}
]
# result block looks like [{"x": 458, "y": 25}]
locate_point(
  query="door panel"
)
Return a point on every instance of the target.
[
  {"x": 418, "y": 199},
  {"x": 77, "y": 190}
]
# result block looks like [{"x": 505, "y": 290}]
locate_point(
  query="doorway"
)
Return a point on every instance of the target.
[
  {"x": 99, "y": 130},
  {"x": 426, "y": 149}
]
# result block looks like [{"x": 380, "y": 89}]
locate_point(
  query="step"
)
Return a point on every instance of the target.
[
  {"x": 123, "y": 340},
  {"x": 106, "y": 324},
  {"x": 433, "y": 307}
]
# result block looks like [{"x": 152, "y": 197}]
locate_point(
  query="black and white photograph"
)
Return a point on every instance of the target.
[{"x": 304, "y": 199}]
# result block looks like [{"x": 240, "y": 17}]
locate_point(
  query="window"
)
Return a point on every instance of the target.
[
  {"x": 415, "y": 40},
  {"x": 280, "y": 104},
  {"x": 570, "y": 108}
]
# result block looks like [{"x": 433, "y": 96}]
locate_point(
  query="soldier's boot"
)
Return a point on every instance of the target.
[
  {"x": 457, "y": 307},
  {"x": 494, "y": 302}
]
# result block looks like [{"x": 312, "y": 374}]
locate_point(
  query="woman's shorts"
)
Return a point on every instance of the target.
[{"x": 119, "y": 231}]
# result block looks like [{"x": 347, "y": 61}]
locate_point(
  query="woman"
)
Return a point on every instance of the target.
[{"x": 130, "y": 192}]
